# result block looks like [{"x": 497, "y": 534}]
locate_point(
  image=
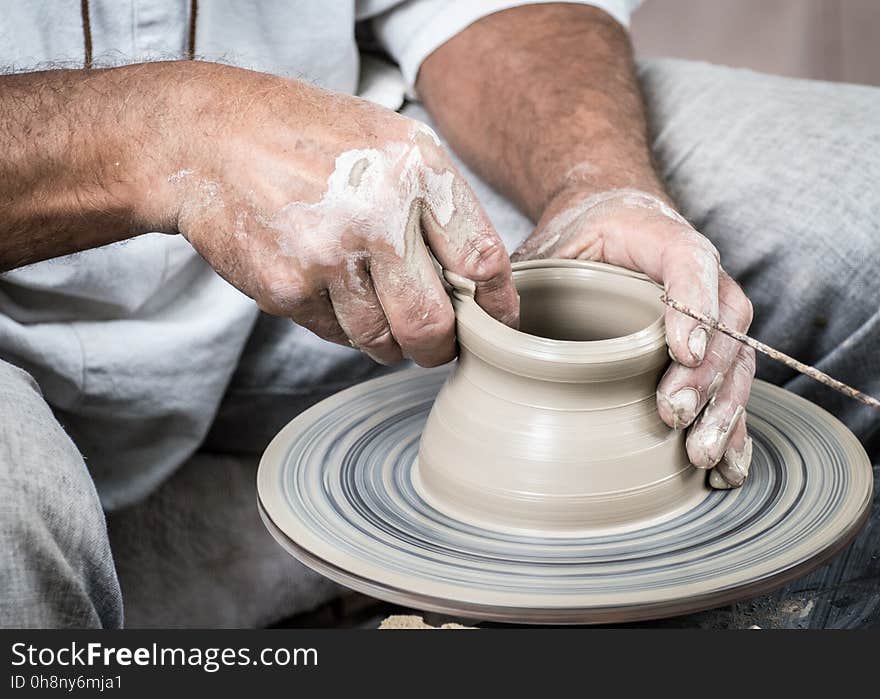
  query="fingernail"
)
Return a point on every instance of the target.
[
  {"x": 735, "y": 464},
  {"x": 684, "y": 407},
  {"x": 716, "y": 480},
  {"x": 697, "y": 342},
  {"x": 737, "y": 416},
  {"x": 715, "y": 385},
  {"x": 707, "y": 441},
  {"x": 511, "y": 318}
]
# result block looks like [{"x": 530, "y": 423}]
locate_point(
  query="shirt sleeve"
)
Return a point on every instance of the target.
[{"x": 411, "y": 30}]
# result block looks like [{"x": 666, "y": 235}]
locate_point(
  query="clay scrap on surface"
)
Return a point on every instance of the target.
[{"x": 411, "y": 621}]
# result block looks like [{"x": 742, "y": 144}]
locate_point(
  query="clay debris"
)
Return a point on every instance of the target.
[{"x": 411, "y": 621}]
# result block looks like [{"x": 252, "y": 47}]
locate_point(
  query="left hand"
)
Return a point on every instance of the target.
[{"x": 707, "y": 386}]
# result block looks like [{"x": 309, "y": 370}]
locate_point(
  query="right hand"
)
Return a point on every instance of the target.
[
  {"x": 706, "y": 388},
  {"x": 324, "y": 208}
]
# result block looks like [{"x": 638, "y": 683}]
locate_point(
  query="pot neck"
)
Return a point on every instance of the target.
[{"x": 642, "y": 353}]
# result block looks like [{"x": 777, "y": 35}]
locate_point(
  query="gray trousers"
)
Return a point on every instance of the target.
[{"x": 780, "y": 174}]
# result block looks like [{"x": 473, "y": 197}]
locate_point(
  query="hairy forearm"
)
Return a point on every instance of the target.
[
  {"x": 540, "y": 99},
  {"x": 79, "y": 158}
]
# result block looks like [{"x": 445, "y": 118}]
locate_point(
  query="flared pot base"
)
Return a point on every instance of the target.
[
  {"x": 337, "y": 490},
  {"x": 553, "y": 429},
  {"x": 563, "y": 516}
]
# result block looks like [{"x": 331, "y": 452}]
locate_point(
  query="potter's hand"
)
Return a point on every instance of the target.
[
  {"x": 707, "y": 385},
  {"x": 324, "y": 207}
]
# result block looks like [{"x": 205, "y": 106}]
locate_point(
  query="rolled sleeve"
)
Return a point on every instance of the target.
[{"x": 411, "y": 30}]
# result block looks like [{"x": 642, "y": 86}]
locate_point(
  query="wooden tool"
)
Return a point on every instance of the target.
[{"x": 774, "y": 354}]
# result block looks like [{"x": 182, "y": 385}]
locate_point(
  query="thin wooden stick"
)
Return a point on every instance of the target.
[{"x": 775, "y": 354}]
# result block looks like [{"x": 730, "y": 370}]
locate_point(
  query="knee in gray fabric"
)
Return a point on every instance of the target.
[{"x": 55, "y": 559}]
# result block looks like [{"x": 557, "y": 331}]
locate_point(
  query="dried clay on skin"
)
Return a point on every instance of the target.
[
  {"x": 564, "y": 225},
  {"x": 683, "y": 406},
  {"x": 708, "y": 438},
  {"x": 371, "y": 198},
  {"x": 733, "y": 469}
]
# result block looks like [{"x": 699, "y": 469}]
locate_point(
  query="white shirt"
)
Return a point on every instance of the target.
[{"x": 133, "y": 344}]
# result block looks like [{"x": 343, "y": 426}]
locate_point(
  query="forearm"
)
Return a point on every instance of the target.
[
  {"x": 322, "y": 207},
  {"x": 540, "y": 99},
  {"x": 80, "y": 158}
]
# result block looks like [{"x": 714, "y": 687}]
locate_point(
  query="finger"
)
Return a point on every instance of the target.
[
  {"x": 416, "y": 305},
  {"x": 279, "y": 291},
  {"x": 733, "y": 469},
  {"x": 708, "y": 438},
  {"x": 316, "y": 314},
  {"x": 690, "y": 276},
  {"x": 463, "y": 241},
  {"x": 360, "y": 315},
  {"x": 683, "y": 391}
]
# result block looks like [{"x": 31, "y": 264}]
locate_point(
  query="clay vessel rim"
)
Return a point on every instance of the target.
[{"x": 507, "y": 340}]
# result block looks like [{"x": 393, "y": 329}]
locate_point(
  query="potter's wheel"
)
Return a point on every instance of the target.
[{"x": 336, "y": 490}]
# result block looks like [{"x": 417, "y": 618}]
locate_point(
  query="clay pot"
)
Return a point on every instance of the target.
[{"x": 553, "y": 429}]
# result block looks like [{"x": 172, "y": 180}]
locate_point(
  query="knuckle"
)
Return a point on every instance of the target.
[
  {"x": 281, "y": 291},
  {"x": 745, "y": 361},
  {"x": 328, "y": 329},
  {"x": 486, "y": 257},
  {"x": 375, "y": 336},
  {"x": 688, "y": 238},
  {"x": 749, "y": 311},
  {"x": 743, "y": 308}
]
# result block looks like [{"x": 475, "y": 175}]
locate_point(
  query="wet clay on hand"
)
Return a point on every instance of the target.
[{"x": 554, "y": 428}]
